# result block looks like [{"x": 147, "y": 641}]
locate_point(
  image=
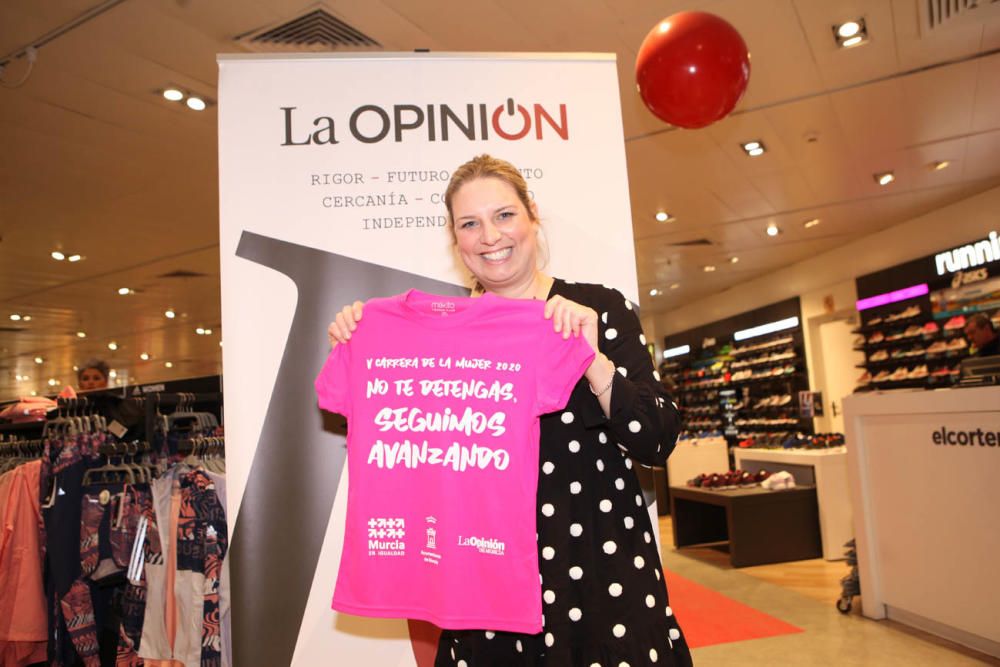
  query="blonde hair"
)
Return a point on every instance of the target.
[{"x": 487, "y": 166}]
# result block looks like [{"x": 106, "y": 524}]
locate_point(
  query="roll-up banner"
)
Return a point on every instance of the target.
[{"x": 332, "y": 171}]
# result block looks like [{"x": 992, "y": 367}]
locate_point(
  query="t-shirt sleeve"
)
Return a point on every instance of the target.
[
  {"x": 333, "y": 382},
  {"x": 561, "y": 364}
]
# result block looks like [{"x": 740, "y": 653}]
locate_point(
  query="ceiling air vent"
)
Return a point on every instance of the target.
[
  {"x": 690, "y": 243},
  {"x": 316, "y": 30},
  {"x": 938, "y": 14},
  {"x": 182, "y": 273}
]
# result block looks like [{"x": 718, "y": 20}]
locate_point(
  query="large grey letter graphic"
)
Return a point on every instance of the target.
[{"x": 293, "y": 480}]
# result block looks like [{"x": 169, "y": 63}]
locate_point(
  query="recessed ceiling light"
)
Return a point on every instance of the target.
[
  {"x": 196, "y": 103},
  {"x": 58, "y": 256},
  {"x": 39, "y": 360},
  {"x": 26, "y": 318},
  {"x": 112, "y": 346},
  {"x": 76, "y": 369},
  {"x": 734, "y": 259},
  {"x": 849, "y": 29},
  {"x": 220, "y": 343},
  {"x": 772, "y": 230},
  {"x": 173, "y": 94},
  {"x": 675, "y": 286},
  {"x": 168, "y": 364},
  {"x": 112, "y": 373},
  {"x": 708, "y": 268},
  {"x": 81, "y": 334},
  {"x": 124, "y": 291},
  {"x": 884, "y": 178},
  {"x": 200, "y": 331},
  {"x": 810, "y": 223},
  {"x": 74, "y": 258},
  {"x": 850, "y": 33},
  {"x": 15, "y": 317},
  {"x": 34, "y": 393},
  {"x": 53, "y": 382},
  {"x": 144, "y": 356},
  {"x": 663, "y": 216},
  {"x": 655, "y": 292},
  {"x": 169, "y": 313},
  {"x": 753, "y": 148},
  {"x": 940, "y": 164}
]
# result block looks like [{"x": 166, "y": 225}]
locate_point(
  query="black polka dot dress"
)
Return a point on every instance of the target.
[{"x": 604, "y": 601}]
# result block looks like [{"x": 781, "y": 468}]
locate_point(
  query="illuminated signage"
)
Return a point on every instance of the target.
[
  {"x": 770, "y": 327},
  {"x": 893, "y": 297},
  {"x": 676, "y": 351},
  {"x": 968, "y": 256}
]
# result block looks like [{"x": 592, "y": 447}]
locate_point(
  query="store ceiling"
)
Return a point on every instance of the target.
[{"x": 95, "y": 163}]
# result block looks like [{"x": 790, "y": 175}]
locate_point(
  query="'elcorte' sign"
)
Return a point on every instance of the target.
[{"x": 967, "y": 256}]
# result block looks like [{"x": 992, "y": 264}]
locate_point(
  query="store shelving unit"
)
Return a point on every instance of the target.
[{"x": 906, "y": 347}]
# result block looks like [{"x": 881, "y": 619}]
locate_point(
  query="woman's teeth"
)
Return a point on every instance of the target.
[{"x": 498, "y": 255}]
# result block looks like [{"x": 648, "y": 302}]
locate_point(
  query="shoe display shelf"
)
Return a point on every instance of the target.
[
  {"x": 907, "y": 348},
  {"x": 764, "y": 376}
]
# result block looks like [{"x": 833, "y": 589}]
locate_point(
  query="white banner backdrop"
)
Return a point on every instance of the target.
[{"x": 332, "y": 171}]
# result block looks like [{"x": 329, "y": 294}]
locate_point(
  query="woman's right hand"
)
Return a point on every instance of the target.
[{"x": 346, "y": 321}]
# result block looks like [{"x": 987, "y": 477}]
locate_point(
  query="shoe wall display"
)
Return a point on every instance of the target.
[{"x": 906, "y": 348}]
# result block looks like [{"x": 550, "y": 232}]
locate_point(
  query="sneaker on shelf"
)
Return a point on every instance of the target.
[
  {"x": 876, "y": 337},
  {"x": 912, "y": 331},
  {"x": 918, "y": 373},
  {"x": 750, "y": 442},
  {"x": 937, "y": 347},
  {"x": 865, "y": 378},
  {"x": 881, "y": 355},
  {"x": 783, "y": 400},
  {"x": 957, "y": 322},
  {"x": 941, "y": 372},
  {"x": 859, "y": 341},
  {"x": 882, "y": 376},
  {"x": 899, "y": 374},
  {"x": 930, "y": 328},
  {"x": 957, "y": 344},
  {"x": 898, "y": 353},
  {"x": 873, "y": 321}
]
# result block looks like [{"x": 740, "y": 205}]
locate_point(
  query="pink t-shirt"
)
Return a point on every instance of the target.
[{"x": 442, "y": 396}]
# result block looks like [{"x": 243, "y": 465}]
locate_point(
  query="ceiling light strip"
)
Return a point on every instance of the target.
[
  {"x": 770, "y": 327},
  {"x": 676, "y": 351}
]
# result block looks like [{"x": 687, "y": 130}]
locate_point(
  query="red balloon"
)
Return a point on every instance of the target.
[{"x": 692, "y": 69}]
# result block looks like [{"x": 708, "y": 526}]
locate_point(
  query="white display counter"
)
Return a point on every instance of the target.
[
  {"x": 693, "y": 456},
  {"x": 829, "y": 470},
  {"x": 924, "y": 469}
]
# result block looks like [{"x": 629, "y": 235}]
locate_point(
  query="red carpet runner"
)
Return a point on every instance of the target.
[{"x": 707, "y": 617}]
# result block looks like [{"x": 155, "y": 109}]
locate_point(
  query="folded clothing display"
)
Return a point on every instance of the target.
[{"x": 779, "y": 480}]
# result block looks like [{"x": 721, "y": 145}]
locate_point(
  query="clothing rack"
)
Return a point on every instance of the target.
[{"x": 155, "y": 401}]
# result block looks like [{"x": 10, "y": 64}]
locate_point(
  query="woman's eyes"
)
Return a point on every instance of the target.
[
  {"x": 468, "y": 224},
  {"x": 506, "y": 214}
]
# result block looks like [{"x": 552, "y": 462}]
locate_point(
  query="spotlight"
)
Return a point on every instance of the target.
[
  {"x": 772, "y": 230},
  {"x": 655, "y": 292},
  {"x": 58, "y": 256},
  {"x": 124, "y": 291},
  {"x": 81, "y": 334},
  {"x": 810, "y": 223},
  {"x": 15, "y": 317},
  {"x": 74, "y": 258},
  {"x": 169, "y": 313},
  {"x": 53, "y": 382},
  {"x": 112, "y": 346},
  {"x": 168, "y": 364},
  {"x": 753, "y": 148},
  {"x": 663, "y": 216},
  {"x": 39, "y": 360},
  {"x": 884, "y": 178},
  {"x": 708, "y": 268},
  {"x": 675, "y": 286},
  {"x": 196, "y": 103},
  {"x": 144, "y": 356},
  {"x": 200, "y": 331},
  {"x": 940, "y": 164},
  {"x": 850, "y": 33},
  {"x": 173, "y": 94},
  {"x": 734, "y": 260}
]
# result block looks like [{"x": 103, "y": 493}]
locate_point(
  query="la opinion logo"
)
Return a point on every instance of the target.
[{"x": 371, "y": 123}]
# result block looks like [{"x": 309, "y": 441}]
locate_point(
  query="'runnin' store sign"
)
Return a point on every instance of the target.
[{"x": 967, "y": 256}]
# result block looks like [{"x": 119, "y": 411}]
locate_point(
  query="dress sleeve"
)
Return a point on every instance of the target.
[
  {"x": 561, "y": 364},
  {"x": 333, "y": 383},
  {"x": 644, "y": 421}
]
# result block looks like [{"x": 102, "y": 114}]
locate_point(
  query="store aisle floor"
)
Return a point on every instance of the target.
[{"x": 803, "y": 594}]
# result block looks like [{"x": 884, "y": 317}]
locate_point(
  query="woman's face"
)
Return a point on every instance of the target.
[
  {"x": 497, "y": 236},
  {"x": 91, "y": 378}
]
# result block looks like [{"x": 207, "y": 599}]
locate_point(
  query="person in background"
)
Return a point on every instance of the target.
[
  {"x": 605, "y": 601},
  {"x": 93, "y": 374},
  {"x": 982, "y": 334}
]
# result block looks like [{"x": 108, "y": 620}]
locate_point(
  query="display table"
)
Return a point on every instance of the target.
[
  {"x": 827, "y": 469},
  {"x": 761, "y": 526},
  {"x": 693, "y": 456},
  {"x": 923, "y": 475}
]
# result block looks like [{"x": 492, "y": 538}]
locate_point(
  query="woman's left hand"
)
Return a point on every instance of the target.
[{"x": 571, "y": 319}]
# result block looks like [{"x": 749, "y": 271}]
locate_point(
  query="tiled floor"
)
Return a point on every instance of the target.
[{"x": 803, "y": 593}]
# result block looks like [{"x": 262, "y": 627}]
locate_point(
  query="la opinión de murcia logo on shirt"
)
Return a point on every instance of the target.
[
  {"x": 386, "y": 536},
  {"x": 371, "y": 123},
  {"x": 485, "y": 545}
]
